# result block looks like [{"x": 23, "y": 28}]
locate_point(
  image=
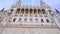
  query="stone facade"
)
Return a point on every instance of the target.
[{"x": 30, "y": 20}]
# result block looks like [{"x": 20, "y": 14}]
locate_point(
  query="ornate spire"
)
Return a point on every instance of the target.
[
  {"x": 18, "y": 4},
  {"x": 41, "y": 3}
]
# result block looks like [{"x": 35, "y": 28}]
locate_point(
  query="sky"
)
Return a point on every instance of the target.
[
  {"x": 31, "y": 2},
  {"x": 54, "y": 4}
]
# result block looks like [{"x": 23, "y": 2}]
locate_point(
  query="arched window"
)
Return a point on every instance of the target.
[
  {"x": 14, "y": 19},
  {"x": 43, "y": 10},
  {"x": 11, "y": 10},
  {"x": 20, "y": 19},
  {"x": 30, "y": 19},
  {"x": 26, "y": 11},
  {"x": 35, "y": 11},
  {"x": 36, "y": 19},
  {"x": 49, "y": 11},
  {"x": 18, "y": 10},
  {"x": 42, "y": 21},
  {"x": 47, "y": 20},
  {"x": 25, "y": 19},
  {"x": 30, "y": 11},
  {"x": 22, "y": 10},
  {"x": 39, "y": 11}
]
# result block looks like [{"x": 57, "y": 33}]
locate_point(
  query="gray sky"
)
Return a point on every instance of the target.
[{"x": 52, "y": 3}]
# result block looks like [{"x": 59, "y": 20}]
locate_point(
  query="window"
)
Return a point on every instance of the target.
[
  {"x": 39, "y": 11},
  {"x": 14, "y": 19},
  {"x": 43, "y": 11},
  {"x": 11, "y": 10},
  {"x": 35, "y": 11},
  {"x": 47, "y": 20},
  {"x": 25, "y": 19},
  {"x": 42, "y": 20},
  {"x": 30, "y": 19},
  {"x": 22, "y": 10},
  {"x": 18, "y": 10},
  {"x": 20, "y": 19},
  {"x": 49, "y": 11},
  {"x": 26, "y": 11},
  {"x": 36, "y": 19},
  {"x": 30, "y": 11}
]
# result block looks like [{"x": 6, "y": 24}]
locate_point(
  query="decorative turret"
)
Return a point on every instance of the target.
[
  {"x": 17, "y": 5},
  {"x": 43, "y": 4}
]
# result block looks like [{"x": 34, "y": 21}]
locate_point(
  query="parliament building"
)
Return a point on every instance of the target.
[{"x": 30, "y": 20}]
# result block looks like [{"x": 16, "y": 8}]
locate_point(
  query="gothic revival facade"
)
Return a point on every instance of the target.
[{"x": 30, "y": 20}]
